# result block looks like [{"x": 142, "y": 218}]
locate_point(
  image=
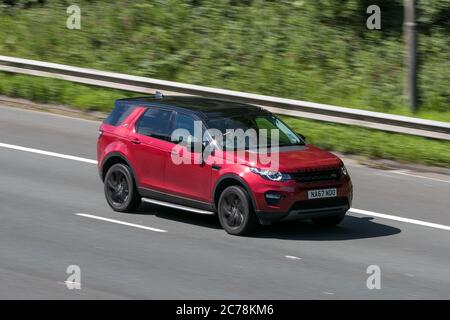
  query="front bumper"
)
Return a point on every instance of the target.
[
  {"x": 295, "y": 203},
  {"x": 308, "y": 209}
]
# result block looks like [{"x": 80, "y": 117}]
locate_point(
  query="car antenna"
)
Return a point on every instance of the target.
[{"x": 159, "y": 95}]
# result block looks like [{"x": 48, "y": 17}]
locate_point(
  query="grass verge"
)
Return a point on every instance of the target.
[{"x": 373, "y": 143}]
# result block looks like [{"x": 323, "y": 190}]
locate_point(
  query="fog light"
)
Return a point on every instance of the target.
[{"x": 273, "y": 198}]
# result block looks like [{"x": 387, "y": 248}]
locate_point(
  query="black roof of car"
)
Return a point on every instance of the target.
[{"x": 204, "y": 107}]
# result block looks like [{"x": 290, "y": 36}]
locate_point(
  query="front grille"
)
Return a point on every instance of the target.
[
  {"x": 312, "y": 176},
  {"x": 320, "y": 204}
]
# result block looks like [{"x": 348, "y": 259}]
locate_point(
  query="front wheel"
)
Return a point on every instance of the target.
[
  {"x": 120, "y": 189},
  {"x": 328, "y": 221},
  {"x": 235, "y": 212}
]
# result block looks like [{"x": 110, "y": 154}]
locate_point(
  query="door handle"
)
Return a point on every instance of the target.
[{"x": 135, "y": 141}]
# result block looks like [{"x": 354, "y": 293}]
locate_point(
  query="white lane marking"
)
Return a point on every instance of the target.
[
  {"x": 47, "y": 153},
  {"x": 328, "y": 293},
  {"x": 396, "y": 218},
  {"x": 120, "y": 222},
  {"x": 418, "y": 176},
  {"x": 293, "y": 258},
  {"x": 364, "y": 212}
]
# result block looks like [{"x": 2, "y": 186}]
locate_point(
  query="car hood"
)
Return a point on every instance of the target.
[{"x": 294, "y": 158}]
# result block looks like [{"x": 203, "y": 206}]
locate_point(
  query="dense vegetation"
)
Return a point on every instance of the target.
[
  {"x": 317, "y": 50},
  {"x": 311, "y": 50}
]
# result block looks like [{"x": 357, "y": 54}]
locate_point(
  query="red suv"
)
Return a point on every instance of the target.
[{"x": 169, "y": 151}]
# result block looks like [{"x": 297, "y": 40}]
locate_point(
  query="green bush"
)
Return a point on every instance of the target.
[
  {"x": 21, "y": 3},
  {"x": 310, "y": 50}
]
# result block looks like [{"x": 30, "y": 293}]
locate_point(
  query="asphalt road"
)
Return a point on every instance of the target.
[{"x": 41, "y": 234}]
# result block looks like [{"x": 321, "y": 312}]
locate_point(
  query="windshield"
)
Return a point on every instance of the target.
[{"x": 265, "y": 126}]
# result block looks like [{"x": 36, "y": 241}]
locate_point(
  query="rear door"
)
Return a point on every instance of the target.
[
  {"x": 114, "y": 129},
  {"x": 151, "y": 147}
]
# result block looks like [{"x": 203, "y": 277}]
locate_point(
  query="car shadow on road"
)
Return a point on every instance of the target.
[
  {"x": 350, "y": 228},
  {"x": 202, "y": 220}
]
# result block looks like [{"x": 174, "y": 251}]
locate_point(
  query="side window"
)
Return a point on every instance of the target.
[
  {"x": 119, "y": 114},
  {"x": 155, "y": 123},
  {"x": 187, "y": 122}
]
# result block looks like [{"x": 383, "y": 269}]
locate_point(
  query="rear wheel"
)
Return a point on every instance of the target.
[
  {"x": 235, "y": 212},
  {"x": 120, "y": 189},
  {"x": 330, "y": 221}
]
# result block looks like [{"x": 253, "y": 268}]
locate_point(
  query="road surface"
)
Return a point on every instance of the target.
[{"x": 53, "y": 215}]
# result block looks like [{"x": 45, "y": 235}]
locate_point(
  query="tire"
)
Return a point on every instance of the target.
[
  {"x": 120, "y": 188},
  {"x": 235, "y": 212},
  {"x": 330, "y": 221}
]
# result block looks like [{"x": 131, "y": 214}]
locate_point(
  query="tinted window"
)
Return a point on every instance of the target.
[
  {"x": 119, "y": 114},
  {"x": 187, "y": 122},
  {"x": 287, "y": 137},
  {"x": 155, "y": 123}
]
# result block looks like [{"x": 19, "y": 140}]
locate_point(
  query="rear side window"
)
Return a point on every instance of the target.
[
  {"x": 119, "y": 114},
  {"x": 155, "y": 123}
]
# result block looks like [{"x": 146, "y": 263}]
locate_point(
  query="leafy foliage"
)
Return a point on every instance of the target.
[
  {"x": 22, "y": 3},
  {"x": 311, "y": 50}
]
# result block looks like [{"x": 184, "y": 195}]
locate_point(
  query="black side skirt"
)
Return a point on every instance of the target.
[{"x": 162, "y": 196}]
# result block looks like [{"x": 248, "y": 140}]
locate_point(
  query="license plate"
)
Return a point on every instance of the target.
[{"x": 322, "y": 193}]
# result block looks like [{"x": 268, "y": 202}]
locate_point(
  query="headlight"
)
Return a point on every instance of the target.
[
  {"x": 271, "y": 175},
  {"x": 344, "y": 171}
]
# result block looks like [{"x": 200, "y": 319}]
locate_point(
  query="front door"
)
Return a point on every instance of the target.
[{"x": 185, "y": 174}]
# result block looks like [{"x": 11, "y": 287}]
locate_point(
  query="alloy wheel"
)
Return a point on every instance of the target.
[{"x": 117, "y": 187}]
